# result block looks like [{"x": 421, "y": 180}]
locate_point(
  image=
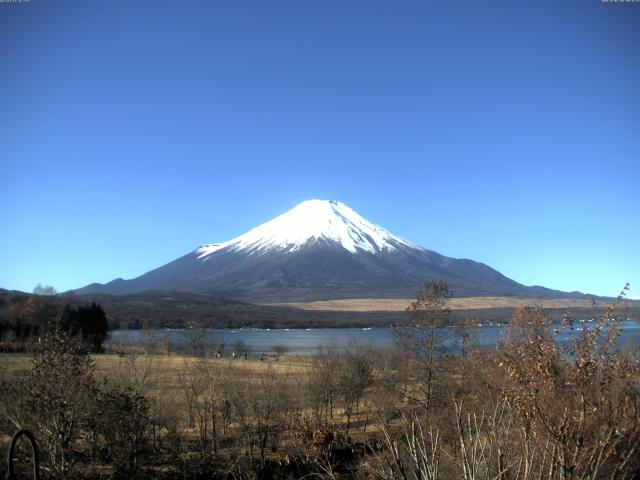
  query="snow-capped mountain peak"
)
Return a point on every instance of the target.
[
  {"x": 319, "y": 250},
  {"x": 308, "y": 221}
]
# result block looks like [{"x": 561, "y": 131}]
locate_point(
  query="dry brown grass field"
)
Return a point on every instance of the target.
[
  {"x": 168, "y": 366},
  {"x": 160, "y": 375},
  {"x": 466, "y": 303}
]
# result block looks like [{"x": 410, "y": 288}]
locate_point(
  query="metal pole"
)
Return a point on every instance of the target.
[{"x": 34, "y": 452}]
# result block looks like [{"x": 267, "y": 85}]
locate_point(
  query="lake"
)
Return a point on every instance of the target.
[{"x": 311, "y": 341}]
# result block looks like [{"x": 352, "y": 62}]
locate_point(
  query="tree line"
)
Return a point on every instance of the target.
[{"x": 25, "y": 319}]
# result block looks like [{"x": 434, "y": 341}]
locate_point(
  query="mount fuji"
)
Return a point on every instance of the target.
[{"x": 318, "y": 250}]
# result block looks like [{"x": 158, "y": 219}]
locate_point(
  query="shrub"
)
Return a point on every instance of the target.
[{"x": 118, "y": 425}]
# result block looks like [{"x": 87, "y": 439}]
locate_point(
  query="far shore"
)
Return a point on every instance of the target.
[{"x": 463, "y": 303}]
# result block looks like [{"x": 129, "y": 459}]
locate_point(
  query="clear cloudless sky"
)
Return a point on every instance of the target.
[{"x": 503, "y": 131}]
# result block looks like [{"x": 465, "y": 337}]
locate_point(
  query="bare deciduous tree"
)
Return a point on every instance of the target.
[
  {"x": 260, "y": 408},
  {"x": 354, "y": 376},
  {"x": 419, "y": 336},
  {"x": 59, "y": 394},
  {"x": 579, "y": 406}
]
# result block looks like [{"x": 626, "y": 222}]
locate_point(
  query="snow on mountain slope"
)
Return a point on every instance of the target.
[{"x": 308, "y": 221}]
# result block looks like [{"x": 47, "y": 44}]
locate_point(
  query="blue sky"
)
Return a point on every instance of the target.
[{"x": 506, "y": 132}]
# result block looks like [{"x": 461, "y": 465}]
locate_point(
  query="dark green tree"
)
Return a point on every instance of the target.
[{"x": 87, "y": 322}]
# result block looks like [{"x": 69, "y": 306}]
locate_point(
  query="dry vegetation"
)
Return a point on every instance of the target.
[
  {"x": 528, "y": 410},
  {"x": 461, "y": 303}
]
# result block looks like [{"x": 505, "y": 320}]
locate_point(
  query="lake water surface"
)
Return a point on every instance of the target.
[{"x": 311, "y": 341}]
